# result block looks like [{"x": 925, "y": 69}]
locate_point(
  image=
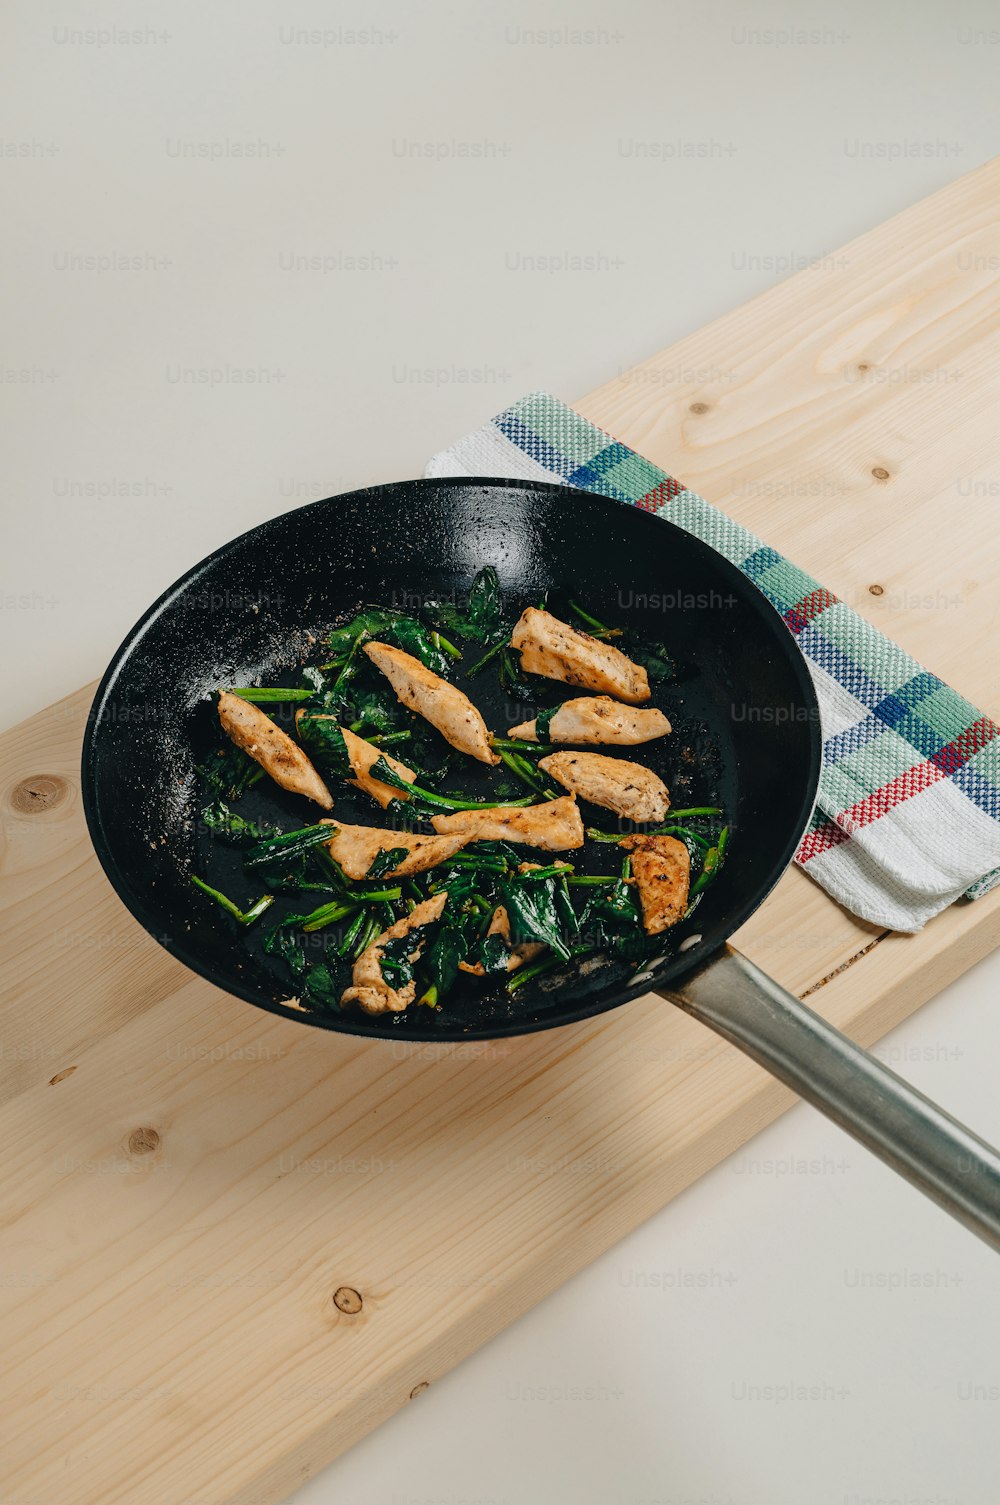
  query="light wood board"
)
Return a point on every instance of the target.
[{"x": 195, "y": 1197}]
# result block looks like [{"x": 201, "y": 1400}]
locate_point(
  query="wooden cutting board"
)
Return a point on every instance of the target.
[{"x": 230, "y": 1245}]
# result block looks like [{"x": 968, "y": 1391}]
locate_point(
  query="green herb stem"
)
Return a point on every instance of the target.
[
  {"x": 327, "y": 914},
  {"x": 545, "y": 964},
  {"x": 696, "y": 810},
  {"x": 490, "y": 653},
  {"x": 288, "y": 845},
  {"x": 519, "y": 745},
  {"x": 440, "y": 641},
  {"x": 264, "y": 694},
  {"x": 523, "y": 770},
  {"x": 244, "y": 917},
  {"x": 597, "y": 629},
  {"x": 350, "y": 935},
  {"x": 368, "y": 934},
  {"x": 384, "y": 737},
  {"x": 381, "y": 770}
]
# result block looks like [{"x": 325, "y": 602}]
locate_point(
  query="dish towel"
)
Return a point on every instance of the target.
[{"x": 908, "y": 813}]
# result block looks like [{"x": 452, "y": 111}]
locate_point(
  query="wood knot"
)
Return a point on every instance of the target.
[
  {"x": 143, "y": 1141},
  {"x": 863, "y": 366},
  {"x": 876, "y": 590},
  {"x": 41, "y": 792},
  {"x": 347, "y": 1299},
  {"x": 419, "y": 1389},
  {"x": 61, "y": 1076},
  {"x": 698, "y": 407},
  {"x": 880, "y": 473}
]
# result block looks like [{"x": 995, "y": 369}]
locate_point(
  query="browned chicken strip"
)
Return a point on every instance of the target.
[
  {"x": 598, "y": 718},
  {"x": 661, "y": 866},
  {"x": 440, "y": 703},
  {"x": 629, "y": 789},
  {"x": 362, "y": 755},
  {"x": 557, "y": 651},
  {"x": 272, "y": 748},
  {"x": 355, "y": 848},
  {"x": 554, "y": 826},
  {"x": 368, "y": 987},
  {"x": 500, "y": 925}
]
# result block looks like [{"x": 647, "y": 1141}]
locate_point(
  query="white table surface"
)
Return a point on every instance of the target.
[{"x": 251, "y": 258}]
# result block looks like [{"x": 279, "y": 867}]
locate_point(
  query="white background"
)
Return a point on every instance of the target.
[{"x": 152, "y": 413}]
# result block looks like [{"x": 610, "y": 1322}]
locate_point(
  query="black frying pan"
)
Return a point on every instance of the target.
[{"x": 746, "y": 736}]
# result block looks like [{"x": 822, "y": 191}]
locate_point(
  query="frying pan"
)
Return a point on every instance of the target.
[{"x": 745, "y": 723}]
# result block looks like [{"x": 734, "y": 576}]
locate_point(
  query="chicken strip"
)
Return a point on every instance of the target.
[
  {"x": 368, "y": 987},
  {"x": 598, "y": 718},
  {"x": 629, "y": 789},
  {"x": 440, "y": 703},
  {"x": 273, "y": 749},
  {"x": 557, "y": 651},
  {"x": 363, "y": 755},
  {"x": 554, "y": 826},
  {"x": 500, "y": 925},
  {"x": 355, "y": 848},
  {"x": 661, "y": 866}
]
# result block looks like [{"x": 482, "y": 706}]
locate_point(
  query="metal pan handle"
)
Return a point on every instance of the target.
[{"x": 946, "y": 1161}]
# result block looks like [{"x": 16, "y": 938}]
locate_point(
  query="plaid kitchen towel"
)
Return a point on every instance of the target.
[{"x": 908, "y": 814}]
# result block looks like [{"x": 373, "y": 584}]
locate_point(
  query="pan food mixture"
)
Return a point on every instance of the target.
[{"x": 439, "y": 879}]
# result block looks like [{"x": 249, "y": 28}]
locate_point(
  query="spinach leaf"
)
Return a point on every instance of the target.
[
  {"x": 484, "y": 606},
  {"x": 442, "y": 960},
  {"x": 543, "y": 722},
  {"x": 618, "y": 902},
  {"x": 282, "y": 941},
  {"x": 479, "y": 619},
  {"x": 322, "y": 986},
  {"x": 658, "y": 663},
  {"x": 368, "y": 623},
  {"x": 386, "y": 625},
  {"x": 531, "y": 909},
  {"x": 412, "y": 636},
  {"x": 564, "y": 907},
  {"x": 374, "y": 709},
  {"x": 230, "y": 771},
  {"x": 394, "y": 960},
  {"x": 493, "y": 953},
  {"x": 383, "y": 862},
  {"x": 227, "y": 826},
  {"x": 325, "y": 739}
]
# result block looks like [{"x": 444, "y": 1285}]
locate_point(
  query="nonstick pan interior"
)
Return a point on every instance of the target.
[{"x": 746, "y": 723}]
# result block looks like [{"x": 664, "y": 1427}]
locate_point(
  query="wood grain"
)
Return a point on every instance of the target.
[{"x": 230, "y": 1246}]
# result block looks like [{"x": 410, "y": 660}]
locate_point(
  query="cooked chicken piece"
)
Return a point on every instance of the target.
[
  {"x": 557, "y": 651},
  {"x": 356, "y": 847},
  {"x": 627, "y": 788},
  {"x": 661, "y": 866},
  {"x": 368, "y": 987},
  {"x": 598, "y": 718},
  {"x": 500, "y": 925},
  {"x": 554, "y": 826},
  {"x": 272, "y": 748},
  {"x": 362, "y": 755},
  {"x": 440, "y": 703}
]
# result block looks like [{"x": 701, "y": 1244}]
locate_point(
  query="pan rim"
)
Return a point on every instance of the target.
[{"x": 678, "y": 967}]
